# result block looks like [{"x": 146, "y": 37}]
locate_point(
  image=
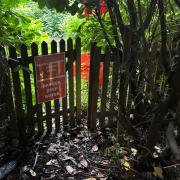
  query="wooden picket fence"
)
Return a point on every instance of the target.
[
  {"x": 32, "y": 116},
  {"x": 67, "y": 112}
]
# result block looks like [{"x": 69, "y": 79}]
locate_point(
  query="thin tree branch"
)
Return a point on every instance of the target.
[
  {"x": 114, "y": 25},
  {"x": 141, "y": 23},
  {"x": 132, "y": 13},
  {"x": 149, "y": 16},
  {"x": 103, "y": 29},
  {"x": 163, "y": 36},
  {"x": 118, "y": 15}
]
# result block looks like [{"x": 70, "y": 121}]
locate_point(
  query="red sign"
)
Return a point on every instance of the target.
[{"x": 50, "y": 77}]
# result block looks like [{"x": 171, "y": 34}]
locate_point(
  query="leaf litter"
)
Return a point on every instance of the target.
[{"x": 83, "y": 156}]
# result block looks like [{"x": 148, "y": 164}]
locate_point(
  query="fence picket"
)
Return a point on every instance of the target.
[
  {"x": 105, "y": 86},
  {"x": 93, "y": 86},
  {"x": 44, "y": 47},
  {"x": 78, "y": 79},
  {"x": 34, "y": 50},
  {"x": 64, "y": 100},
  {"x": 91, "y": 67},
  {"x": 71, "y": 81},
  {"x": 56, "y": 102},
  {"x": 27, "y": 87}
]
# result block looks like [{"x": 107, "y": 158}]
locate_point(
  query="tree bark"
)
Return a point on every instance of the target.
[{"x": 170, "y": 103}]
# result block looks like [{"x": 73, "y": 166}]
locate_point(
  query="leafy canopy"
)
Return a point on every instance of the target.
[
  {"x": 16, "y": 27},
  {"x": 49, "y": 17}
]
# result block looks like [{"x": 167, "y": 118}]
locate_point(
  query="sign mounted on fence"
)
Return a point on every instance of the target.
[{"x": 50, "y": 77}]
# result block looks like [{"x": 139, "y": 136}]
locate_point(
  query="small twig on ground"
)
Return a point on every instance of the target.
[
  {"x": 36, "y": 158},
  {"x": 171, "y": 166}
]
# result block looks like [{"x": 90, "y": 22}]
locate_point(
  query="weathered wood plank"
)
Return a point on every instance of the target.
[
  {"x": 78, "y": 79},
  {"x": 91, "y": 69},
  {"x": 71, "y": 81},
  {"x": 104, "y": 97},
  {"x": 34, "y": 50},
  {"x": 56, "y": 102},
  {"x": 93, "y": 86},
  {"x": 17, "y": 92},
  {"x": 64, "y": 100},
  {"x": 27, "y": 88},
  {"x": 44, "y": 48}
]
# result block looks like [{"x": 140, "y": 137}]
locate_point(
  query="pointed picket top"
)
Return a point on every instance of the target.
[
  {"x": 69, "y": 39},
  {"x": 53, "y": 46},
  {"x": 78, "y": 39},
  {"x": 44, "y": 47},
  {"x": 34, "y": 49},
  {"x": 53, "y": 42},
  {"x": 12, "y": 49},
  {"x": 44, "y": 43},
  {"x": 62, "y": 45},
  {"x": 62, "y": 41},
  {"x": 23, "y": 47},
  {"x": 78, "y": 44},
  {"x": 24, "y": 52},
  {"x": 34, "y": 45},
  {"x": 70, "y": 44}
]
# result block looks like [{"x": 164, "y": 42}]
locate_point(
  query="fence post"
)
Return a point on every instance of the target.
[
  {"x": 71, "y": 81},
  {"x": 93, "y": 86},
  {"x": 78, "y": 79}
]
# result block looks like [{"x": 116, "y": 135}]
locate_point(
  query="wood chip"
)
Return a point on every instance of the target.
[
  {"x": 71, "y": 170},
  {"x": 95, "y": 148}
]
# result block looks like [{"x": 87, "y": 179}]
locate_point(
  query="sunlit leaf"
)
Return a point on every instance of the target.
[{"x": 158, "y": 172}]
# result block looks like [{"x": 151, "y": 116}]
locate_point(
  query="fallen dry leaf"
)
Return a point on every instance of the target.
[
  {"x": 158, "y": 172},
  {"x": 105, "y": 162},
  {"x": 126, "y": 165},
  {"x": 95, "y": 148},
  {"x": 84, "y": 163},
  {"x": 33, "y": 173},
  {"x": 70, "y": 170},
  {"x": 52, "y": 162},
  {"x": 109, "y": 151},
  {"x": 134, "y": 151},
  {"x": 66, "y": 158}
]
